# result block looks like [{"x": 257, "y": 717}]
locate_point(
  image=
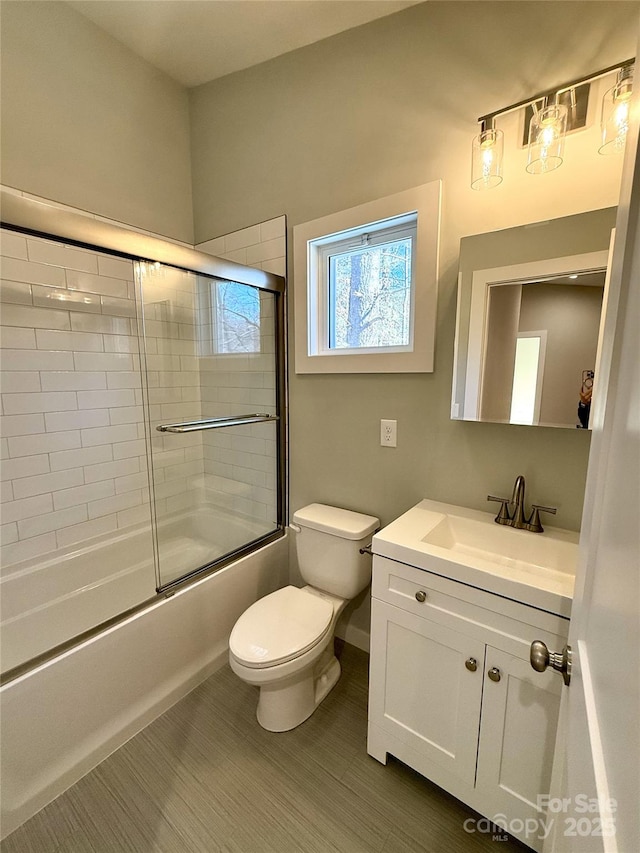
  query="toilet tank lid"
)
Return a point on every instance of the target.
[{"x": 339, "y": 522}]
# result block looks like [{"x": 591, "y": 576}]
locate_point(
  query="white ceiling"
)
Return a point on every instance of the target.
[{"x": 195, "y": 41}]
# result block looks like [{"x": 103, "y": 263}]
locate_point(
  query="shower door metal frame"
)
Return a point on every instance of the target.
[{"x": 26, "y": 215}]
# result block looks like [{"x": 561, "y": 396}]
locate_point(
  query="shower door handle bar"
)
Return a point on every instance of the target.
[{"x": 217, "y": 423}]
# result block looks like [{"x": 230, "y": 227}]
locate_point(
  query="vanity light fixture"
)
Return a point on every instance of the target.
[{"x": 548, "y": 127}]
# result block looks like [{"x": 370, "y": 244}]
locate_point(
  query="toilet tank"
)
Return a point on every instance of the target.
[{"x": 328, "y": 548}]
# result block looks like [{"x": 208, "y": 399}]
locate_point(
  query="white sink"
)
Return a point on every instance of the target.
[
  {"x": 485, "y": 539},
  {"x": 468, "y": 546}
]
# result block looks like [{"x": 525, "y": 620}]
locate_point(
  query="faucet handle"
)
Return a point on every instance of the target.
[
  {"x": 503, "y": 516},
  {"x": 534, "y": 521}
]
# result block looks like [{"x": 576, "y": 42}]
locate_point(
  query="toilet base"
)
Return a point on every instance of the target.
[{"x": 286, "y": 704}]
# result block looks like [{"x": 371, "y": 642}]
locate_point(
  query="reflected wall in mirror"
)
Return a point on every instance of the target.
[{"x": 530, "y": 307}]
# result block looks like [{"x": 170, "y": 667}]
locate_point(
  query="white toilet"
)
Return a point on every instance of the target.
[{"x": 284, "y": 642}]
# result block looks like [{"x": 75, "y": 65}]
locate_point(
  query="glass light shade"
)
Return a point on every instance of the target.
[
  {"x": 614, "y": 119},
  {"x": 486, "y": 159},
  {"x": 547, "y": 130}
]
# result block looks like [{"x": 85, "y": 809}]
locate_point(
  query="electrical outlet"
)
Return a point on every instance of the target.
[{"x": 388, "y": 433}]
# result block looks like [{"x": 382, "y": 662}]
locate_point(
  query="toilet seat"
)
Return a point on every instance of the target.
[{"x": 280, "y": 627}]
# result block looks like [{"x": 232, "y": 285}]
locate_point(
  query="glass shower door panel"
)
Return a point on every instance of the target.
[{"x": 210, "y": 354}]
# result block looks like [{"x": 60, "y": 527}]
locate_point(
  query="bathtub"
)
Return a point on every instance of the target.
[
  {"x": 63, "y": 717},
  {"x": 46, "y": 601}
]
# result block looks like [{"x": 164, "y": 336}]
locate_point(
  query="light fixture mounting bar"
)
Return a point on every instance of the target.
[{"x": 488, "y": 118}]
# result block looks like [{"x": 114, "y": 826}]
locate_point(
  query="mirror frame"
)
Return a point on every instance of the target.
[{"x": 474, "y": 286}]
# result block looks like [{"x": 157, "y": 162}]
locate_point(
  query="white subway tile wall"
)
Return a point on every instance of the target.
[
  {"x": 72, "y": 419},
  {"x": 262, "y": 246}
]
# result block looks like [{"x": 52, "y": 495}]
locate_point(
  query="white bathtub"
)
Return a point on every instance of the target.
[
  {"x": 62, "y": 718},
  {"x": 201, "y": 535},
  {"x": 46, "y": 601}
]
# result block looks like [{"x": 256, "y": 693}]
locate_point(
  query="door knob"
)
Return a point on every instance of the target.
[
  {"x": 494, "y": 673},
  {"x": 471, "y": 664},
  {"x": 421, "y": 596},
  {"x": 541, "y": 658}
]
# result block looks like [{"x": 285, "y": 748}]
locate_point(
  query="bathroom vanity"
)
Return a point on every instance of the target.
[{"x": 456, "y": 603}]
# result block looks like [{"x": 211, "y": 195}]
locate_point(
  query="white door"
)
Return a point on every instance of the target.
[{"x": 597, "y": 765}]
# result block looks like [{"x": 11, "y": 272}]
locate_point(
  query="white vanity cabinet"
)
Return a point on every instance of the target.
[{"x": 453, "y": 695}]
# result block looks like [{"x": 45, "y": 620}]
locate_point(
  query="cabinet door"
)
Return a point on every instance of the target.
[
  {"x": 517, "y": 736},
  {"x": 421, "y": 690}
]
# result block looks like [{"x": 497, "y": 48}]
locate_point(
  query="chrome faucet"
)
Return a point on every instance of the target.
[{"x": 517, "y": 518}]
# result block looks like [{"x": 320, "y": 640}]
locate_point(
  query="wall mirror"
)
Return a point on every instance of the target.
[{"x": 530, "y": 305}]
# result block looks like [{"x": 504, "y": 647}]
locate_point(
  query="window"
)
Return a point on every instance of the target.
[
  {"x": 236, "y": 317},
  {"x": 365, "y": 287},
  {"x": 231, "y": 317},
  {"x": 365, "y": 283}
]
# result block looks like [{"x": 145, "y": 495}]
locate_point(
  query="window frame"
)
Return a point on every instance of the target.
[
  {"x": 328, "y": 248},
  {"x": 313, "y": 242}
]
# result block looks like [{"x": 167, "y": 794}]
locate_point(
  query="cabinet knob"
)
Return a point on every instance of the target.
[
  {"x": 494, "y": 673},
  {"x": 471, "y": 664},
  {"x": 421, "y": 596}
]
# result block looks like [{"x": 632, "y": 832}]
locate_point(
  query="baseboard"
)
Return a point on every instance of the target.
[{"x": 357, "y": 637}]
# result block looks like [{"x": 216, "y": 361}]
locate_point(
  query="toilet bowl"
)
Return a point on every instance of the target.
[
  {"x": 291, "y": 661},
  {"x": 283, "y": 643}
]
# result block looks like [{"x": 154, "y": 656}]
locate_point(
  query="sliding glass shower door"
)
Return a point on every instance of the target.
[{"x": 212, "y": 396}]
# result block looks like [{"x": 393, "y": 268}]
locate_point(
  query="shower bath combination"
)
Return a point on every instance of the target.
[{"x": 143, "y": 438}]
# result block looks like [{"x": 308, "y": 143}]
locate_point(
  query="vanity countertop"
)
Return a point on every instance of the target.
[{"x": 465, "y": 545}]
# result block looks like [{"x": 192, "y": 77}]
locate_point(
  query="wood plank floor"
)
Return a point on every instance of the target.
[{"x": 205, "y": 778}]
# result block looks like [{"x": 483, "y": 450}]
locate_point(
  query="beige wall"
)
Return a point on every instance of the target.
[
  {"x": 570, "y": 314},
  {"x": 88, "y": 124},
  {"x": 374, "y": 111},
  {"x": 503, "y": 315},
  {"x": 371, "y": 112}
]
